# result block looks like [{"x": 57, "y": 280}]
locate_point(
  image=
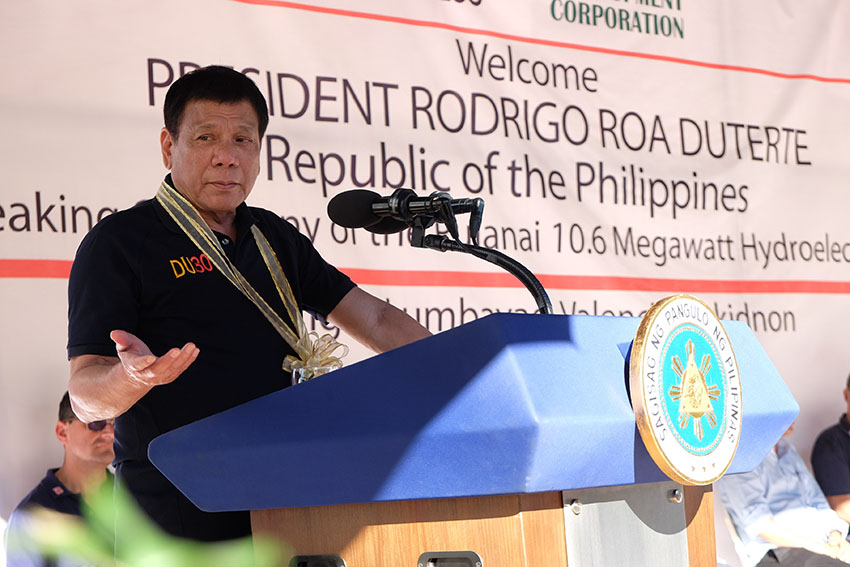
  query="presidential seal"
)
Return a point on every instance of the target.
[{"x": 685, "y": 390}]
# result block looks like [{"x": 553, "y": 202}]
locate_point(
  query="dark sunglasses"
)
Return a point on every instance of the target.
[{"x": 98, "y": 425}]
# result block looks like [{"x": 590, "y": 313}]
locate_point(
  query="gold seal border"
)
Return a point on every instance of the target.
[{"x": 636, "y": 390}]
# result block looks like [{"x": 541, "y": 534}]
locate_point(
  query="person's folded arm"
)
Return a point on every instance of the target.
[{"x": 841, "y": 504}]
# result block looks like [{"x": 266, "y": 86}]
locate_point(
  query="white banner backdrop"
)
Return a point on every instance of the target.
[{"x": 625, "y": 151}]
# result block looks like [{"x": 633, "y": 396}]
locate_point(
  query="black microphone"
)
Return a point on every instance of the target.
[{"x": 361, "y": 208}]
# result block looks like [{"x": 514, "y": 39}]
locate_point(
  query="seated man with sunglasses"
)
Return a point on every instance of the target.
[{"x": 88, "y": 451}]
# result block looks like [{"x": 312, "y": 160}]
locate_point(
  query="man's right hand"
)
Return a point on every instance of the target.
[
  {"x": 841, "y": 550},
  {"x": 104, "y": 387},
  {"x": 142, "y": 365}
]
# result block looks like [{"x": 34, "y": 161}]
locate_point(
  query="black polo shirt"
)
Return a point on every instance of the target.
[
  {"x": 50, "y": 493},
  {"x": 831, "y": 459},
  {"x": 137, "y": 271}
]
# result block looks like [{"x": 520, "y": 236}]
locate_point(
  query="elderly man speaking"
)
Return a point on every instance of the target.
[{"x": 156, "y": 347}]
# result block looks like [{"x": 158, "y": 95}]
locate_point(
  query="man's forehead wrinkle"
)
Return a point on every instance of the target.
[{"x": 208, "y": 125}]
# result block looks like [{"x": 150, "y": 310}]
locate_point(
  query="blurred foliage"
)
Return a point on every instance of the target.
[{"x": 91, "y": 538}]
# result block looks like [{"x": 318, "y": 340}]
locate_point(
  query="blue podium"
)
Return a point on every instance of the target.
[{"x": 505, "y": 441}]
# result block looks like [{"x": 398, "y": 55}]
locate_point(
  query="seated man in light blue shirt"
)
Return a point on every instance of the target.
[{"x": 781, "y": 516}]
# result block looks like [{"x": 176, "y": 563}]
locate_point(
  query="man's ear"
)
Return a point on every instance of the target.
[
  {"x": 166, "y": 143},
  {"x": 62, "y": 432}
]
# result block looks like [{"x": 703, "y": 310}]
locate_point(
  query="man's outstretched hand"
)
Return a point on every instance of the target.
[{"x": 143, "y": 366}]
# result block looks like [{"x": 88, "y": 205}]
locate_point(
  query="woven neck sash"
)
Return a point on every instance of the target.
[{"x": 312, "y": 351}]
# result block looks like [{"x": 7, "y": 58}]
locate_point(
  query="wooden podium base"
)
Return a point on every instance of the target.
[
  {"x": 699, "y": 516},
  {"x": 525, "y": 530},
  {"x": 520, "y": 530}
]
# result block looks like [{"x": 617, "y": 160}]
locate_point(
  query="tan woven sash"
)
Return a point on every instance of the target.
[{"x": 312, "y": 351}]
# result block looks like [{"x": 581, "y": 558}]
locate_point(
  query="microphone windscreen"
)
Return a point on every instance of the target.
[
  {"x": 353, "y": 209},
  {"x": 387, "y": 225}
]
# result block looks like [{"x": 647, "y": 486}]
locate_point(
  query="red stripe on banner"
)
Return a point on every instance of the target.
[
  {"x": 598, "y": 283},
  {"x": 422, "y": 278},
  {"x": 35, "y": 268},
  {"x": 538, "y": 41}
]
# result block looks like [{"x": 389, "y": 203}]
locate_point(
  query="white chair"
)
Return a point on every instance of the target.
[{"x": 728, "y": 544}]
